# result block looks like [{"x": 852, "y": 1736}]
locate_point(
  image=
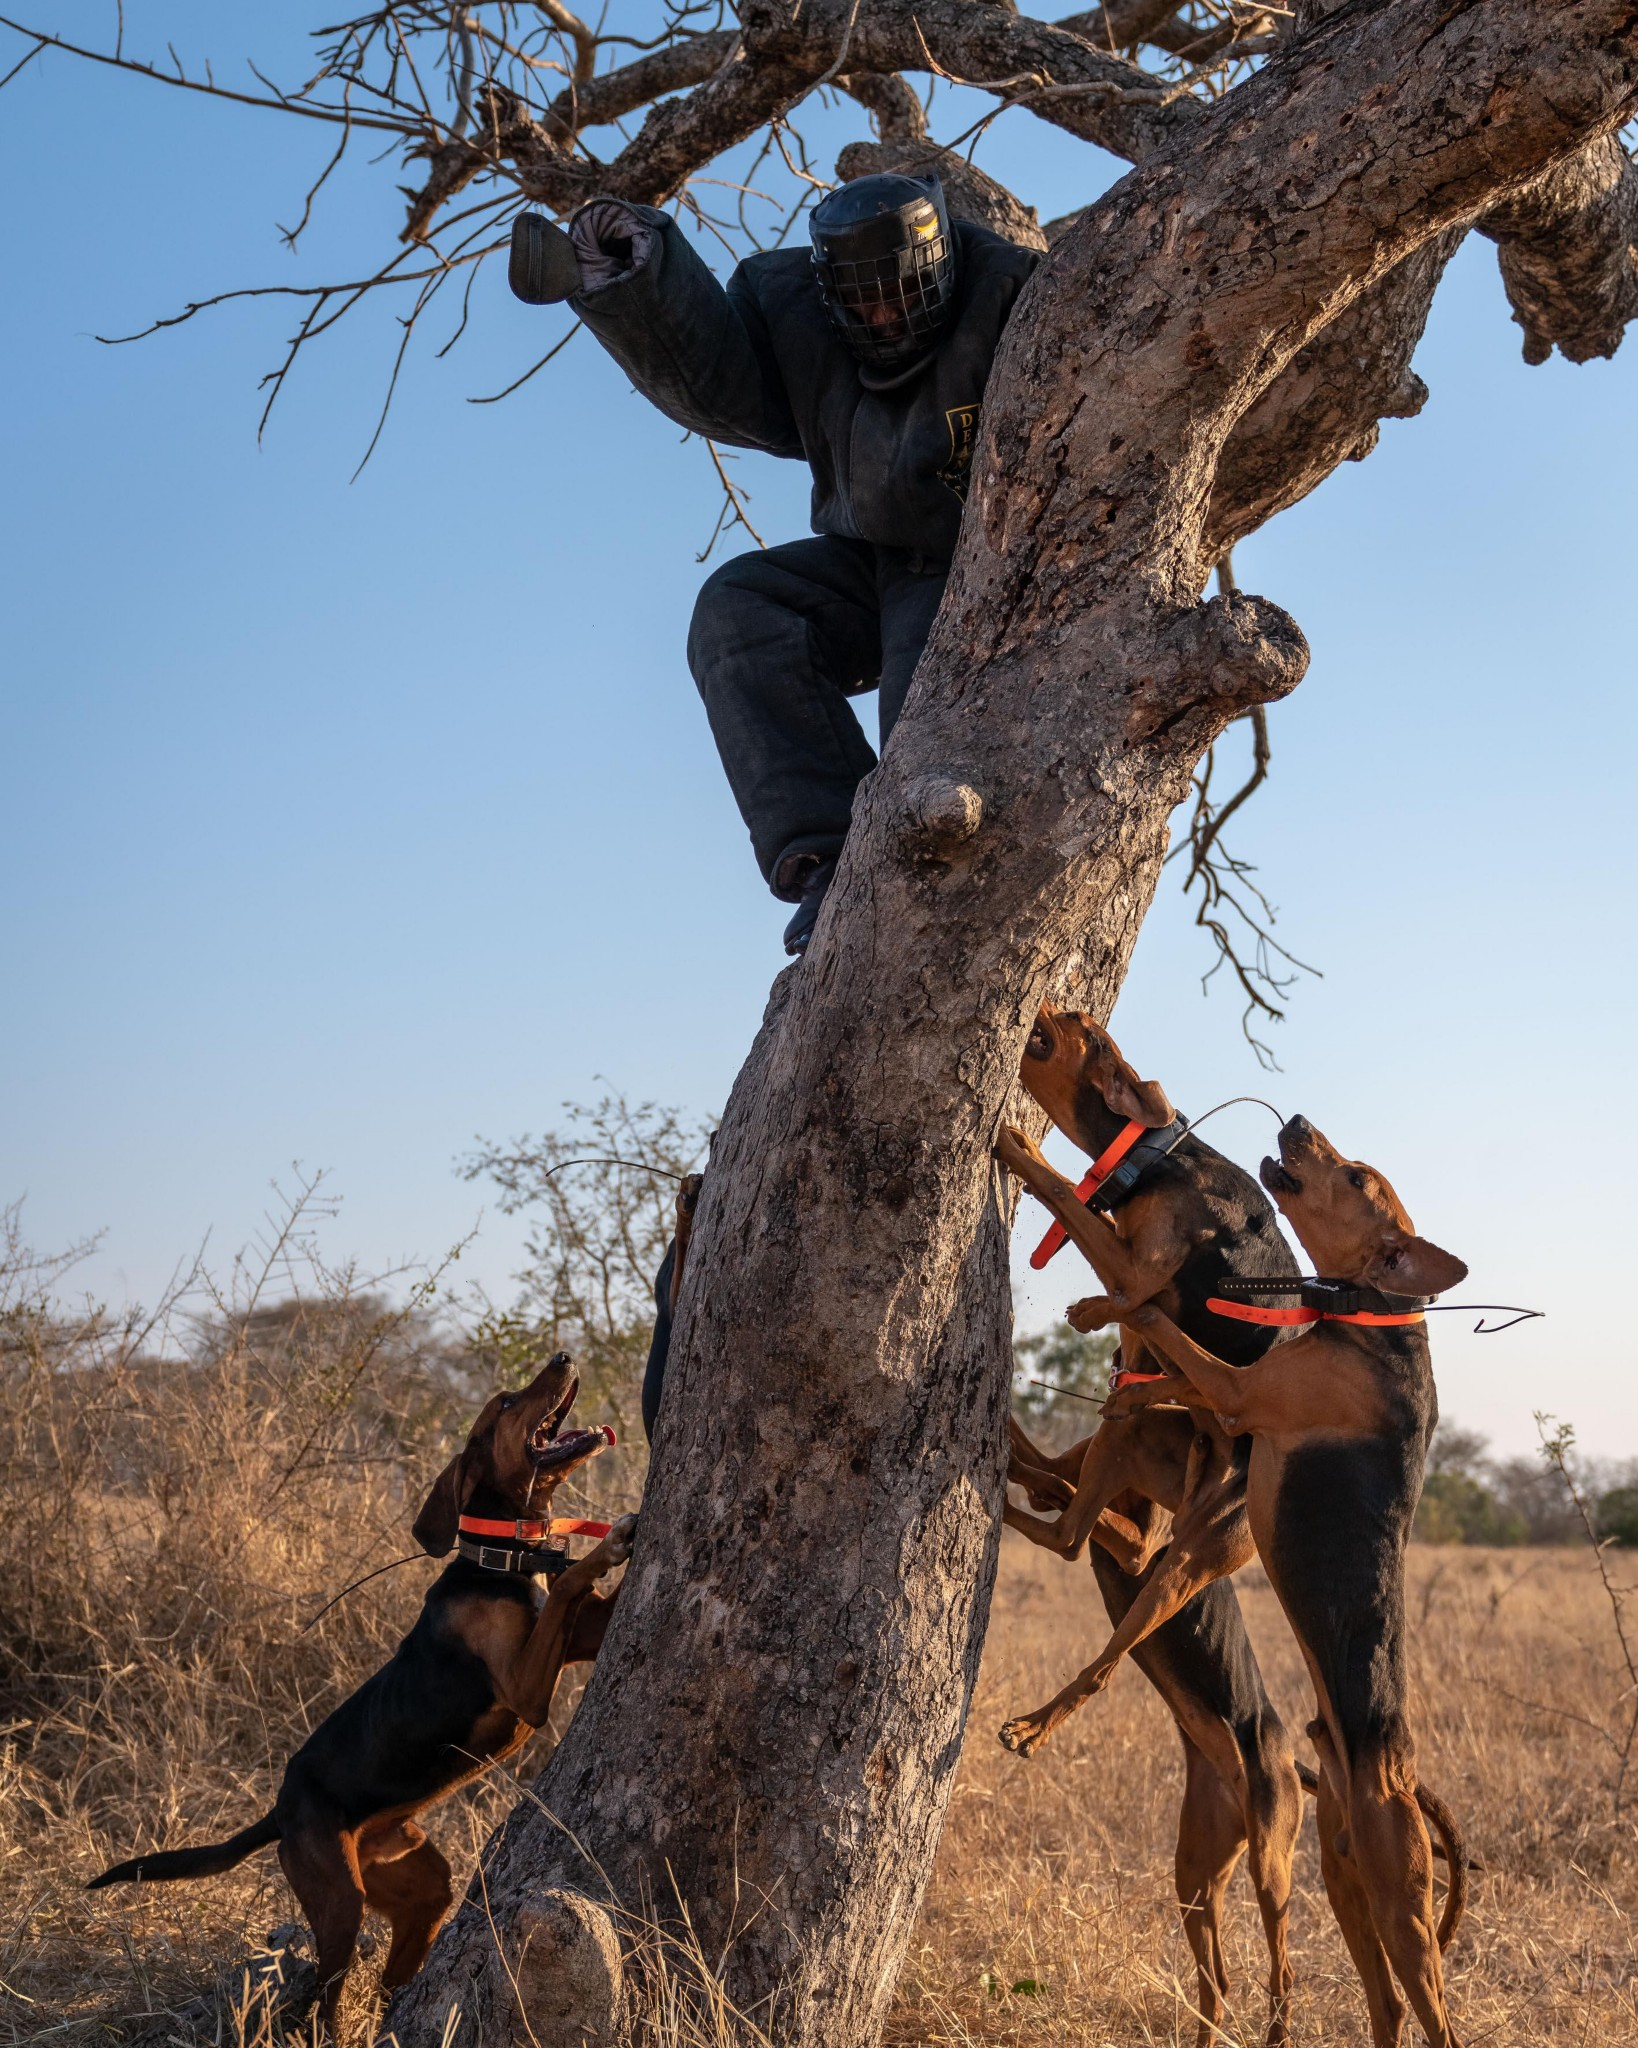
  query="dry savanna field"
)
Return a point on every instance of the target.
[{"x": 170, "y": 1529}]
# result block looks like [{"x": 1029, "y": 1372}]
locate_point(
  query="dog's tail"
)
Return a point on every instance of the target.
[
  {"x": 1449, "y": 1837},
  {"x": 1447, "y": 1843},
  {"x": 161, "y": 1865}
]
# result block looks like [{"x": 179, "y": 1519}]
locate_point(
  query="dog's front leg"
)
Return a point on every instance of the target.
[
  {"x": 1171, "y": 1392},
  {"x": 1155, "y": 1251},
  {"x": 1096, "y": 1241},
  {"x": 1048, "y": 1478},
  {"x": 1127, "y": 1276},
  {"x": 530, "y": 1679},
  {"x": 1282, "y": 1393}
]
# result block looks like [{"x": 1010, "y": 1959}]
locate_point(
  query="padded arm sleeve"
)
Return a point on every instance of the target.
[{"x": 700, "y": 353}]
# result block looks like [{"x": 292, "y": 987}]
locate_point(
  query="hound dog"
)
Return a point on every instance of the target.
[
  {"x": 1340, "y": 1420},
  {"x": 1194, "y": 1217},
  {"x": 467, "y": 1687},
  {"x": 1177, "y": 1221}
]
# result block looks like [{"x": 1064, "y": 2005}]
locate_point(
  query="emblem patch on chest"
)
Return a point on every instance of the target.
[{"x": 962, "y": 420}]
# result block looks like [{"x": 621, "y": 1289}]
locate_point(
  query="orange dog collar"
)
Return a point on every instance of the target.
[
  {"x": 1244, "y": 1312},
  {"x": 520, "y": 1532},
  {"x": 1096, "y": 1174},
  {"x": 531, "y": 1532}
]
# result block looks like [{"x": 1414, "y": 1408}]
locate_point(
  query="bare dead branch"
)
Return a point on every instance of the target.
[
  {"x": 222, "y": 92},
  {"x": 556, "y": 349},
  {"x": 293, "y": 235},
  {"x": 23, "y": 63},
  {"x": 732, "y": 512},
  {"x": 1557, "y": 1442},
  {"x": 1232, "y": 910}
]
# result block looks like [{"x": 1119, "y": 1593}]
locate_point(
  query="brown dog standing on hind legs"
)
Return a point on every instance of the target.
[
  {"x": 1197, "y": 1217},
  {"x": 1242, "y": 1788},
  {"x": 468, "y": 1686},
  {"x": 1340, "y": 1421},
  {"x": 1182, "y": 1220}
]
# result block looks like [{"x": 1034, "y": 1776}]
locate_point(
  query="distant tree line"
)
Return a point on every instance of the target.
[{"x": 1471, "y": 1497}]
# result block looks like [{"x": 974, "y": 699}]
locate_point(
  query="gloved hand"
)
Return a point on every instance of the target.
[
  {"x": 543, "y": 269},
  {"x": 612, "y": 242}
]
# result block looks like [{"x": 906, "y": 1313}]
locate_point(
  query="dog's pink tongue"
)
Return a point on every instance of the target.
[{"x": 609, "y": 1436}]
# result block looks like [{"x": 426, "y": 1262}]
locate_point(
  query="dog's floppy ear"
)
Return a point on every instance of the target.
[
  {"x": 1140, "y": 1102},
  {"x": 1411, "y": 1265},
  {"x": 435, "y": 1526}
]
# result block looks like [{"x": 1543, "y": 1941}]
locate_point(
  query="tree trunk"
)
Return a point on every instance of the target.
[{"x": 770, "y": 1733}]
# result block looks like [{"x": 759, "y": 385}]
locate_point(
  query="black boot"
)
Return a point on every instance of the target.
[{"x": 814, "y": 884}]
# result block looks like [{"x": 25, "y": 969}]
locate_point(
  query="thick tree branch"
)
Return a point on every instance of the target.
[
  {"x": 895, "y": 111},
  {"x": 1325, "y": 407},
  {"x": 1228, "y": 314},
  {"x": 784, "y": 53},
  {"x": 1122, "y": 26},
  {"x": 1120, "y": 107}
]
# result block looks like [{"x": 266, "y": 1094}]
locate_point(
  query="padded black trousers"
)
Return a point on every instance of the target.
[{"x": 779, "y": 642}]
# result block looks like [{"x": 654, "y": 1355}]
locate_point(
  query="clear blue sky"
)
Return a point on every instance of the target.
[{"x": 346, "y": 821}]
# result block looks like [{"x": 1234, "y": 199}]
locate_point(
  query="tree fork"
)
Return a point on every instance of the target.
[{"x": 771, "y": 1731}]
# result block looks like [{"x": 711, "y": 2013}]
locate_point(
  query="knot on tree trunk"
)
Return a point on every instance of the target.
[
  {"x": 1217, "y": 659},
  {"x": 569, "y": 1977},
  {"x": 938, "y": 816},
  {"x": 1568, "y": 261},
  {"x": 550, "y": 1975}
]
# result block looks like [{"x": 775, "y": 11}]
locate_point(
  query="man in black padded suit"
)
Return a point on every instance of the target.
[{"x": 865, "y": 356}]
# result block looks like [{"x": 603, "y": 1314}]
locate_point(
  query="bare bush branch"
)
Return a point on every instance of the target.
[
  {"x": 1557, "y": 1443},
  {"x": 1232, "y": 910}
]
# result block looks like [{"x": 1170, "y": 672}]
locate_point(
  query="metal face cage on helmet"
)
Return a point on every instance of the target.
[{"x": 884, "y": 258}]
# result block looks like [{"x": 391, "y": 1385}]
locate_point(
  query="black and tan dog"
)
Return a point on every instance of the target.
[
  {"x": 1193, "y": 1217},
  {"x": 1179, "y": 1221},
  {"x": 1340, "y": 1420},
  {"x": 468, "y": 1686},
  {"x": 1242, "y": 1787}
]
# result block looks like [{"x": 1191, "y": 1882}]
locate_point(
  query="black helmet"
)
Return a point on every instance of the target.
[{"x": 885, "y": 260}]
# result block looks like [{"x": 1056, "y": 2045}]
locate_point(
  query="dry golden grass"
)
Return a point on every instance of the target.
[
  {"x": 1058, "y": 1870},
  {"x": 168, "y": 1528}
]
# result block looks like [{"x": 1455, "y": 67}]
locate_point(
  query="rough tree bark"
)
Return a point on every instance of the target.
[
  {"x": 1567, "y": 255},
  {"x": 771, "y": 1730}
]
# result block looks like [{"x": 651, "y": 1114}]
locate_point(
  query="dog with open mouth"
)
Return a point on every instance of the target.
[
  {"x": 1170, "y": 1219},
  {"x": 1340, "y": 1420},
  {"x": 1177, "y": 1218},
  {"x": 467, "y": 1687}
]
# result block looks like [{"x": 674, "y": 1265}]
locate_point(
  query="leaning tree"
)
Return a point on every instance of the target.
[{"x": 767, "y": 1742}]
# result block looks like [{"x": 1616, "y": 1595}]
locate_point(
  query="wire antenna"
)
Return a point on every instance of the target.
[
  {"x": 1196, "y": 1122},
  {"x": 1095, "y": 1399},
  {"x": 1487, "y": 1308},
  {"x": 637, "y": 1165},
  {"x": 353, "y": 1588}
]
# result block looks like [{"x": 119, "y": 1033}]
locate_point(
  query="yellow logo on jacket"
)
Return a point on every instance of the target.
[{"x": 962, "y": 421}]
